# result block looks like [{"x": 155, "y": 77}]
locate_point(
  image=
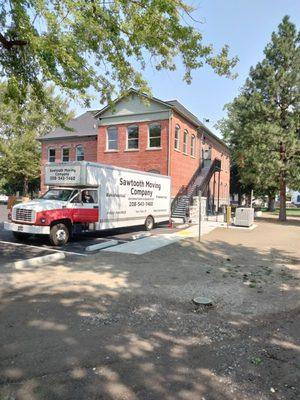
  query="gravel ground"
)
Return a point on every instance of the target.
[{"x": 117, "y": 326}]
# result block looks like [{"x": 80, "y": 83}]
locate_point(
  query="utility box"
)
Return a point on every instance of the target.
[{"x": 244, "y": 216}]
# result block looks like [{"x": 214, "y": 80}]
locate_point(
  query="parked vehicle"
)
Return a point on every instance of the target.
[
  {"x": 3, "y": 198},
  {"x": 85, "y": 196},
  {"x": 295, "y": 198}
]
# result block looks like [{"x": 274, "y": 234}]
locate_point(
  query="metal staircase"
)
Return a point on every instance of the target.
[{"x": 199, "y": 181}]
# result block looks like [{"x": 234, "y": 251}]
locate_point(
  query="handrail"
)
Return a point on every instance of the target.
[
  {"x": 215, "y": 166},
  {"x": 182, "y": 191}
]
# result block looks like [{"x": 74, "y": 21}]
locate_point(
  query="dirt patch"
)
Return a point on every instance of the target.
[{"x": 124, "y": 327}]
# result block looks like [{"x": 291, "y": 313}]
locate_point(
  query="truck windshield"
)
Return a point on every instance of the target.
[{"x": 58, "y": 194}]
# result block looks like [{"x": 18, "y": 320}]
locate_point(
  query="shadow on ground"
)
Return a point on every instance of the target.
[{"x": 123, "y": 327}]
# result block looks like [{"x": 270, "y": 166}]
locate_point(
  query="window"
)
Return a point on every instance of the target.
[
  {"x": 133, "y": 137},
  {"x": 185, "y": 141},
  {"x": 79, "y": 153},
  {"x": 58, "y": 194},
  {"x": 193, "y": 141},
  {"x": 177, "y": 137},
  {"x": 89, "y": 196},
  {"x": 65, "y": 155},
  {"x": 51, "y": 155},
  {"x": 112, "y": 138},
  {"x": 154, "y": 136}
]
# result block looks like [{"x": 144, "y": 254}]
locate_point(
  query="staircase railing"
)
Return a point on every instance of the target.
[
  {"x": 182, "y": 192},
  {"x": 214, "y": 167}
]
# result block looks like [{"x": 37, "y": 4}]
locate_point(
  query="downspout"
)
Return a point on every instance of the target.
[{"x": 169, "y": 144}]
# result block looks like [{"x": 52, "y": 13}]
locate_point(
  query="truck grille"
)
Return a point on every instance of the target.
[{"x": 23, "y": 215}]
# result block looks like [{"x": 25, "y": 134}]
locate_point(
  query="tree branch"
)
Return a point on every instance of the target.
[{"x": 8, "y": 44}]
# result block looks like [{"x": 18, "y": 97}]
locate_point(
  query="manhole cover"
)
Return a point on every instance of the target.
[{"x": 202, "y": 301}]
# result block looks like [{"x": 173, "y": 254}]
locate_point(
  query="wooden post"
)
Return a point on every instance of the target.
[{"x": 200, "y": 216}]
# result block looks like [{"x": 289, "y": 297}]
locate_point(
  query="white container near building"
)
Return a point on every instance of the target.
[{"x": 244, "y": 216}]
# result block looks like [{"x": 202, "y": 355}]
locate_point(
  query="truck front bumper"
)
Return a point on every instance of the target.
[{"x": 31, "y": 229}]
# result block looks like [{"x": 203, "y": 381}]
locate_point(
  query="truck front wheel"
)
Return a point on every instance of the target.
[
  {"x": 149, "y": 223},
  {"x": 59, "y": 234}
]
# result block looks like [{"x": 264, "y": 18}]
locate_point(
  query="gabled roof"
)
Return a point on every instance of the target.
[
  {"x": 193, "y": 119},
  {"x": 83, "y": 125},
  {"x": 86, "y": 124}
]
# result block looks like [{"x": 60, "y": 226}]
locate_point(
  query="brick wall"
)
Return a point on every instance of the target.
[
  {"x": 218, "y": 151},
  {"x": 143, "y": 159},
  {"x": 89, "y": 145},
  {"x": 183, "y": 166}
]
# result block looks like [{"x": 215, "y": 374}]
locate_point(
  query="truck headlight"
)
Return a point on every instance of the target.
[{"x": 42, "y": 220}]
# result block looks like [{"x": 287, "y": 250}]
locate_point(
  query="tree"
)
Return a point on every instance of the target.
[
  {"x": 19, "y": 128},
  {"x": 263, "y": 122},
  {"x": 100, "y": 44}
]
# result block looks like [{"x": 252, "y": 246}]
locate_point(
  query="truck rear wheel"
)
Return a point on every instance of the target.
[
  {"x": 149, "y": 223},
  {"x": 59, "y": 234},
  {"x": 20, "y": 235}
]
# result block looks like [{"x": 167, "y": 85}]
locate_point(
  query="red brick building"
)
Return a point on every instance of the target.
[{"x": 151, "y": 135}]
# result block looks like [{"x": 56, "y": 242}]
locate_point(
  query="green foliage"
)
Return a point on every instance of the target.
[
  {"x": 263, "y": 123},
  {"x": 20, "y": 126},
  {"x": 84, "y": 44}
]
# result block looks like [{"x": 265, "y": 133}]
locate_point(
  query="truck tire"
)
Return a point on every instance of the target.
[
  {"x": 149, "y": 223},
  {"x": 20, "y": 235},
  {"x": 59, "y": 234}
]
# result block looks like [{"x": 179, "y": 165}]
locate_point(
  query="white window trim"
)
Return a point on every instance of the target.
[
  {"x": 107, "y": 141},
  {"x": 79, "y": 145},
  {"x": 185, "y": 144},
  {"x": 62, "y": 154},
  {"x": 48, "y": 154},
  {"x": 138, "y": 138},
  {"x": 193, "y": 139},
  {"x": 178, "y": 140},
  {"x": 148, "y": 145}
]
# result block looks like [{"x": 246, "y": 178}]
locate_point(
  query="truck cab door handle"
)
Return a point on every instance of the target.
[{"x": 95, "y": 206}]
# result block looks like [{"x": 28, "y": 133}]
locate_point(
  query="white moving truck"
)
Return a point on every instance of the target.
[{"x": 86, "y": 196}]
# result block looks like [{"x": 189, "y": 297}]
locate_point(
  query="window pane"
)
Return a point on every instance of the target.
[
  {"x": 89, "y": 196},
  {"x": 193, "y": 146},
  {"x": 79, "y": 153},
  {"x": 177, "y": 133},
  {"x": 112, "y": 138},
  {"x": 154, "y": 135},
  {"x": 133, "y": 137},
  {"x": 185, "y": 140},
  {"x": 51, "y": 155},
  {"x": 65, "y": 155}
]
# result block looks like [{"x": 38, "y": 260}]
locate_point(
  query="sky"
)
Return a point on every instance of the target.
[{"x": 246, "y": 26}]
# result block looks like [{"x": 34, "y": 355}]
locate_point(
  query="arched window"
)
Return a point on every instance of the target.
[
  {"x": 79, "y": 153},
  {"x": 177, "y": 137},
  {"x": 112, "y": 138},
  {"x": 133, "y": 137},
  {"x": 185, "y": 141},
  {"x": 154, "y": 136},
  {"x": 193, "y": 141}
]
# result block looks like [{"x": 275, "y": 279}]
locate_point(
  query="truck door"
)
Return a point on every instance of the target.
[{"x": 85, "y": 206}]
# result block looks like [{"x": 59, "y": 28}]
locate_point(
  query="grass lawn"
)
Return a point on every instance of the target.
[{"x": 292, "y": 212}]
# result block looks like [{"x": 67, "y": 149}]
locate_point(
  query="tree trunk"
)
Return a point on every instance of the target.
[
  {"x": 282, "y": 212},
  {"x": 271, "y": 203},
  {"x": 25, "y": 186}
]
